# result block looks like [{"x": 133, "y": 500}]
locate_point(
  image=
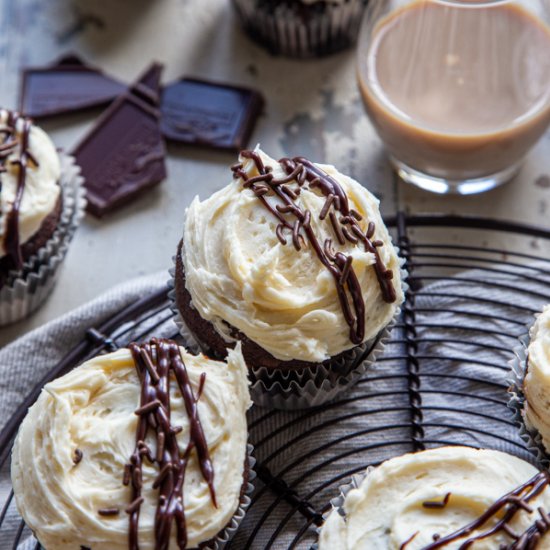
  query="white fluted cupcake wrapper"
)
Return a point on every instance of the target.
[
  {"x": 27, "y": 289},
  {"x": 312, "y": 386},
  {"x": 337, "y": 503},
  {"x": 226, "y": 535},
  {"x": 527, "y": 432},
  {"x": 284, "y": 31}
]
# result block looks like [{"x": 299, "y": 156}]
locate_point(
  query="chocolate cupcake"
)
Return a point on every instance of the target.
[
  {"x": 293, "y": 260},
  {"x": 41, "y": 203},
  {"x": 302, "y": 28},
  {"x": 451, "y": 497},
  {"x": 146, "y": 446}
]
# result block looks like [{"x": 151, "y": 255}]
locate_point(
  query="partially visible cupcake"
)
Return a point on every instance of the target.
[
  {"x": 451, "y": 497},
  {"x": 144, "y": 447},
  {"x": 293, "y": 260},
  {"x": 302, "y": 28},
  {"x": 535, "y": 385},
  {"x": 41, "y": 202}
]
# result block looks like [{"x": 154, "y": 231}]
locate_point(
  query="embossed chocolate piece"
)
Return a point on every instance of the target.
[
  {"x": 66, "y": 86},
  {"x": 123, "y": 154},
  {"x": 209, "y": 114}
]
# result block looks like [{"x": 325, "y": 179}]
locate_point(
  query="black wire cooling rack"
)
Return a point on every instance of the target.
[{"x": 441, "y": 380}]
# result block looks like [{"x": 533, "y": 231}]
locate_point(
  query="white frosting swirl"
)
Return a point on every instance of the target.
[
  {"x": 387, "y": 508},
  {"x": 92, "y": 409},
  {"x": 238, "y": 273},
  {"x": 41, "y": 184},
  {"x": 536, "y": 385}
]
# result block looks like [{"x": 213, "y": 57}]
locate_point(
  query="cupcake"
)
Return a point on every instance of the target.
[
  {"x": 146, "y": 446},
  {"x": 40, "y": 205},
  {"x": 293, "y": 260},
  {"x": 533, "y": 380},
  {"x": 302, "y": 28},
  {"x": 451, "y": 497}
]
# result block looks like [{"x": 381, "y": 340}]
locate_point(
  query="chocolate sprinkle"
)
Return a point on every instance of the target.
[
  {"x": 300, "y": 171},
  {"x": 436, "y": 504},
  {"x": 154, "y": 417},
  {"x": 77, "y": 456},
  {"x": 108, "y": 512},
  {"x": 409, "y": 540}
]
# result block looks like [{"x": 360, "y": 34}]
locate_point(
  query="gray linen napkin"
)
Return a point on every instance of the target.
[{"x": 316, "y": 451}]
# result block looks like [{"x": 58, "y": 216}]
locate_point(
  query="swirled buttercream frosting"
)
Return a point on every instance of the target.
[
  {"x": 141, "y": 448},
  {"x": 29, "y": 182},
  {"x": 295, "y": 256},
  {"x": 449, "y": 498}
]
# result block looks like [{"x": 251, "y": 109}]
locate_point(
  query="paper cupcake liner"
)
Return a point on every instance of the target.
[
  {"x": 517, "y": 402},
  {"x": 337, "y": 503},
  {"x": 306, "y": 387},
  {"x": 225, "y": 536},
  {"x": 300, "y": 30},
  {"x": 313, "y": 386},
  {"x": 26, "y": 290}
]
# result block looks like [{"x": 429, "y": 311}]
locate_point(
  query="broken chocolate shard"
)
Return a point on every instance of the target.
[
  {"x": 67, "y": 86},
  {"x": 221, "y": 116},
  {"x": 123, "y": 154}
]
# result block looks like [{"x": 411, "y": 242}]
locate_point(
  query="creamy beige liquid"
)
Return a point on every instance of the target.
[{"x": 455, "y": 91}]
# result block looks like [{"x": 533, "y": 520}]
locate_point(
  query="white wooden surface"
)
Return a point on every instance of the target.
[{"x": 313, "y": 109}]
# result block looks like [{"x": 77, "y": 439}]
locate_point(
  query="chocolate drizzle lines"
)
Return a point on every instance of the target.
[
  {"x": 15, "y": 140},
  {"x": 156, "y": 362},
  {"x": 506, "y": 507},
  {"x": 343, "y": 220}
]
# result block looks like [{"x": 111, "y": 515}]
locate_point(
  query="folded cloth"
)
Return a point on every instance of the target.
[{"x": 463, "y": 334}]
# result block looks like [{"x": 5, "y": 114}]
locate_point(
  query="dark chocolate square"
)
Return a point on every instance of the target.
[
  {"x": 64, "y": 87},
  {"x": 124, "y": 154},
  {"x": 197, "y": 112}
]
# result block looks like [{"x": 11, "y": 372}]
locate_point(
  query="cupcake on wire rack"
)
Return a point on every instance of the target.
[
  {"x": 41, "y": 204},
  {"x": 530, "y": 386},
  {"x": 145, "y": 447},
  {"x": 302, "y": 28},
  {"x": 446, "y": 498},
  {"x": 293, "y": 260}
]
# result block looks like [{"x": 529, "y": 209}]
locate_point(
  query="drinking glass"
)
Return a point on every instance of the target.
[{"x": 457, "y": 90}]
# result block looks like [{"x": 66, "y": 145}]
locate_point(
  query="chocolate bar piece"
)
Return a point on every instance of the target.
[
  {"x": 66, "y": 86},
  {"x": 197, "y": 112},
  {"x": 124, "y": 153}
]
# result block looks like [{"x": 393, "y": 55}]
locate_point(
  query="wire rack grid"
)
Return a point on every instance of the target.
[{"x": 442, "y": 379}]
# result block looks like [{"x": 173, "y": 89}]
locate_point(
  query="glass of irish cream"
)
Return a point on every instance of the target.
[{"x": 458, "y": 90}]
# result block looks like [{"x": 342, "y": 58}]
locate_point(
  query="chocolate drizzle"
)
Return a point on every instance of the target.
[
  {"x": 506, "y": 508},
  {"x": 15, "y": 139},
  {"x": 296, "y": 222},
  {"x": 156, "y": 362}
]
